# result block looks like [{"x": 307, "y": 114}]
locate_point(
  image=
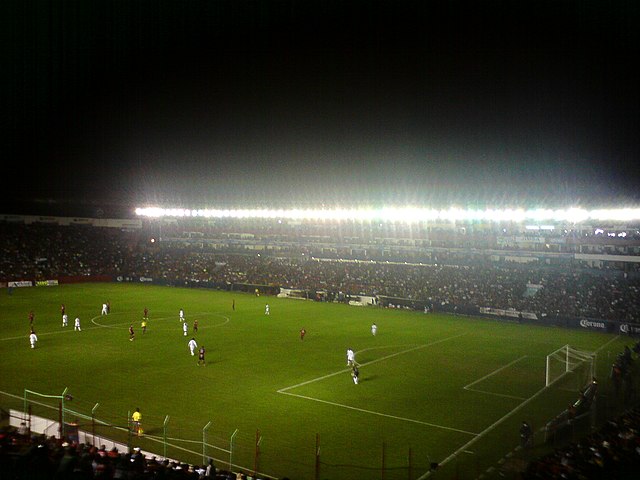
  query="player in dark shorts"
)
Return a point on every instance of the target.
[
  {"x": 195, "y": 326},
  {"x": 131, "y": 333},
  {"x": 201, "y": 356}
]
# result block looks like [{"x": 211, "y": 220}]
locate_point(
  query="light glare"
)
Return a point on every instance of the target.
[{"x": 407, "y": 214}]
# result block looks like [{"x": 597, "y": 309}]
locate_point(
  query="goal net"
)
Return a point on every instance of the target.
[{"x": 571, "y": 367}]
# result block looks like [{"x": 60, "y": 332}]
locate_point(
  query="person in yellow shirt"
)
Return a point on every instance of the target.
[{"x": 137, "y": 418}]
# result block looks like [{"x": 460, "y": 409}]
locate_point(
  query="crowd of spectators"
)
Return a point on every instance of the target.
[
  {"x": 41, "y": 252},
  {"x": 610, "y": 452},
  {"x": 36, "y": 457}
]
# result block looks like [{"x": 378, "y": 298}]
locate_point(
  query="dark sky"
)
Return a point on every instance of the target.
[{"x": 296, "y": 102}]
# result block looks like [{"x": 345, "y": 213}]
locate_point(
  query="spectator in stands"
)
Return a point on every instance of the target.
[{"x": 526, "y": 435}]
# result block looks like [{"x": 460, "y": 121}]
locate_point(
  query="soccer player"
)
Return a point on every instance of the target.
[
  {"x": 201, "y": 356},
  {"x": 136, "y": 418},
  {"x": 233, "y": 305},
  {"x": 181, "y": 314},
  {"x": 31, "y": 317},
  {"x": 104, "y": 309},
  {"x": 192, "y": 346},
  {"x": 146, "y": 313},
  {"x": 195, "y": 326},
  {"x": 184, "y": 328},
  {"x": 132, "y": 334},
  {"x": 355, "y": 373},
  {"x": 266, "y": 309},
  {"x": 76, "y": 325},
  {"x": 65, "y": 320},
  {"x": 303, "y": 332},
  {"x": 33, "y": 339},
  {"x": 62, "y": 308},
  {"x": 144, "y": 326},
  {"x": 374, "y": 329},
  {"x": 351, "y": 358}
]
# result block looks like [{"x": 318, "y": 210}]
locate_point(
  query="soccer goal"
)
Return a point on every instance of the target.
[{"x": 567, "y": 364}]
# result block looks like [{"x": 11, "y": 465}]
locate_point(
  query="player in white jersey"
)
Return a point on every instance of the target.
[
  {"x": 185, "y": 327},
  {"x": 65, "y": 320},
  {"x": 266, "y": 309},
  {"x": 105, "y": 310},
  {"x": 76, "y": 325},
  {"x": 192, "y": 346},
  {"x": 33, "y": 339},
  {"x": 351, "y": 358},
  {"x": 374, "y": 329},
  {"x": 181, "y": 314}
]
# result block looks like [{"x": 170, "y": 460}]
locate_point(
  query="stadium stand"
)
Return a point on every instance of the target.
[
  {"x": 24, "y": 456},
  {"x": 455, "y": 282},
  {"x": 565, "y": 274}
]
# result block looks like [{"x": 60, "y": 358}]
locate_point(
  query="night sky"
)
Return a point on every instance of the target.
[{"x": 298, "y": 103}]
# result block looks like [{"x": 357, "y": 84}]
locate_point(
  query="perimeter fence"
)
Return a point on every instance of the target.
[
  {"x": 69, "y": 418},
  {"x": 64, "y": 415}
]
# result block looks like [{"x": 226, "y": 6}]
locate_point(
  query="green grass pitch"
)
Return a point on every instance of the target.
[{"x": 433, "y": 388}]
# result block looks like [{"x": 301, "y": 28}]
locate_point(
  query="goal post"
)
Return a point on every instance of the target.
[{"x": 568, "y": 361}]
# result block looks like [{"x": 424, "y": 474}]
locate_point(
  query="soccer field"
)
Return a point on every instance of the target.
[{"x": 433, "y": 388}]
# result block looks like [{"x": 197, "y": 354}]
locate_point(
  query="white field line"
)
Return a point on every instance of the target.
[
  {"x": 199, "y": 315},
  {"x": 380, "y": 414},
  {"x": 468, "y": 387},
  {"x": 95, "y": 322},
  {"x": 150, "y": 437},
  {"x": 317, "y": 379},
  {"x": 68, "y": 329},
  {"x": 372, "y": 412},
  {"x": 498, "y": 422}
]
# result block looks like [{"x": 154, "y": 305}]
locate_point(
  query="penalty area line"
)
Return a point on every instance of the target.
[
  {"x": 317, "y": 379},
  {"x": 285, "y": 390},
  {"x": 499, "y": 421},
  {"x": 468, "y": 387}
]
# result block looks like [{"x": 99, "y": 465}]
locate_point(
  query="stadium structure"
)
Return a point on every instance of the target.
[
  {"x": 555, "y": 267},
  {"x": 547, "y": 246}
]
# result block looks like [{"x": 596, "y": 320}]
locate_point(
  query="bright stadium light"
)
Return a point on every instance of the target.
[{"x": 406, "y": 214}]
